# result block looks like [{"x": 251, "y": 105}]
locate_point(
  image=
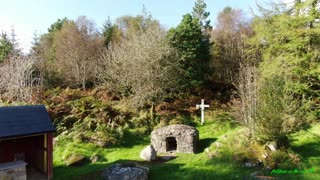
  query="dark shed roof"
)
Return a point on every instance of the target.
[{"x": 24, "y": 120}]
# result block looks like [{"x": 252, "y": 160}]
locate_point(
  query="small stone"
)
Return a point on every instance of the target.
[
  {"x": 148, "y": 153},
  {"x": 94, "y": 158},
  {"x": 74, "y": 159},
  {"x": 256, "y": 173},
  {"x": 247, "y": 164},
  {"x": 224, "y": 137},
  {"x": 265, "y": 155},
  {"x": 218, "y": 144},
  {"x": 272, "y": 146},
  {"x": 268, "y": 168},
  {"x": 166, "y": 158}
]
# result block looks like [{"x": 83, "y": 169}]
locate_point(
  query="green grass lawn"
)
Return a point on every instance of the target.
[{"x": 185, "y": 166}]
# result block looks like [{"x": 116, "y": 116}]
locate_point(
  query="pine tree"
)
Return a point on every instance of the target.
[
  {"x": 6, "y": 46},
  {"x": 13, "y": 40},
  {"x": 199, "y": 12},
  {"x": 193, "y": 49}
]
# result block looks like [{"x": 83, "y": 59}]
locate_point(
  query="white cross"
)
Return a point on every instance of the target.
[{"x": 202, "y": 106}]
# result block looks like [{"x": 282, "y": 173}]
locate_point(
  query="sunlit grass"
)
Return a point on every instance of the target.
[{"x": 185, "y": 166}]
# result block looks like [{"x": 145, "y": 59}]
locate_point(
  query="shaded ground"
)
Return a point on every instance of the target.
[{"x": 33, "y": 174}]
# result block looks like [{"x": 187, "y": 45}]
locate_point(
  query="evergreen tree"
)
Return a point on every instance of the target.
[
  {"x": 13, "y": 40},
  {"x": 107, "y": 31},
  {"x": 6, "y": 46},
  {"x": 199, "y": 12},
  {"x": 56, "y": 26},
  {"x": 110, "y": 32},
  {"x": 290, "y": 49},
  {"x": 193, "y": 49},
  {"x": 35, "y": 43}
]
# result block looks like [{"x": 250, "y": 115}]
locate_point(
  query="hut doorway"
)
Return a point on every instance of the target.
[{"x": 171, "y": 143}]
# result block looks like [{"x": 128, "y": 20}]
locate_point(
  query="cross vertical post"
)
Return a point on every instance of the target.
[{"x": 202, "y": 106}]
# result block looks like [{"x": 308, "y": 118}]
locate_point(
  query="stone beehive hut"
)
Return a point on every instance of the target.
[{"x": 177, "y": 137}]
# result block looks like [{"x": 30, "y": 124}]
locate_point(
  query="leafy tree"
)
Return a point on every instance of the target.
[
  {"x": 127, "y": 26},
  {"x": 290, "y": 47},
  {"x": 6, "y": 47},
  {"x": 44, "y": 45},
  {"x": 45, "y": 51},
  {"x": 276, "y": 111},
  {"x": 285, "y": 96},
  {"x": 69, "y": 52},
  {"x": 130, "y": 25},
  {"x": 77, "y": 48},
  {"x": 193, "y": 48}
]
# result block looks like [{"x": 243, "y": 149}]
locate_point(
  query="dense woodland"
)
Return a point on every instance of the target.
[{"x": 261, "y": 72}]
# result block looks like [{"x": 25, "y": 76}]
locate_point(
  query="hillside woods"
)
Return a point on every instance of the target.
[{"x": 109, "y": 88}]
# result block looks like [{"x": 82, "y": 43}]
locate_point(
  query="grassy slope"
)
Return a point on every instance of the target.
[{"x": 185, "y": 166}]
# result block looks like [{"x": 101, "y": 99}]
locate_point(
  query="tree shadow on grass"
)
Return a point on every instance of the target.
[
  {"x": 174, "y": 171},
  {"x": 309, "y": 151},
  {"x": 157, "y": 170},
  {"x": 204, "y": 143}
]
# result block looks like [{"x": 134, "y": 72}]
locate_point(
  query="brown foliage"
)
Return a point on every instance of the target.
[
  {"x": 77, "y": 48},
  {"x": 232, "y": 29}
]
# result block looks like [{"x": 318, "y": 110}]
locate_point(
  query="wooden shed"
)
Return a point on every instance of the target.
[{"x": 25, "y": 142}]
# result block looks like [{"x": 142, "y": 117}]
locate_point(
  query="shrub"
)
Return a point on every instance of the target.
[
  {"x": 277, "y": 112},
  {"x": 268, "y": 109}
]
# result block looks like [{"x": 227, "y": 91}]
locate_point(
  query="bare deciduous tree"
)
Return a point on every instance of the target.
[
  {"x": 141, "y": 67},
  {"x": 247, "y": 90},
  {"x": 231, "y": 31},
  {"x": 18, "y": 78}
]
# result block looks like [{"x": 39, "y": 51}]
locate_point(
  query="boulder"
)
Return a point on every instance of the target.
[
  {"x": 148, "y": 153},
  {"x": 128, "y": 171},
  {"x": 74, "y": 159}
]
